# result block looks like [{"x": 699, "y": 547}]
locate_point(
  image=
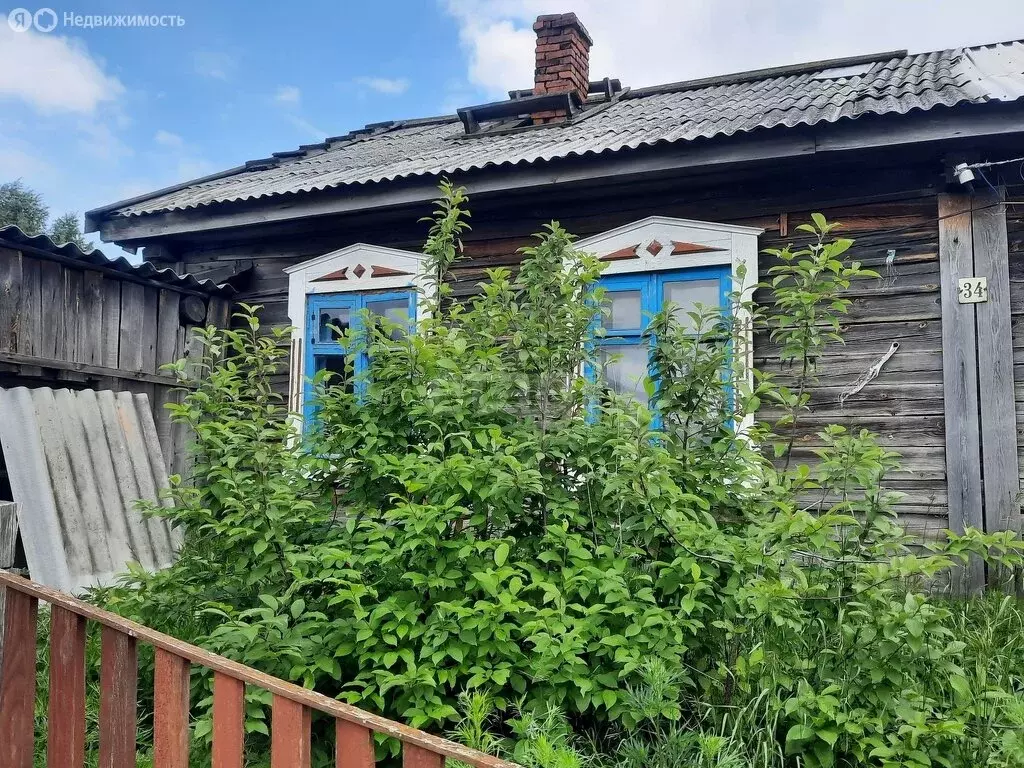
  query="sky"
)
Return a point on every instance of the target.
[{"x": 94, "y": 114}]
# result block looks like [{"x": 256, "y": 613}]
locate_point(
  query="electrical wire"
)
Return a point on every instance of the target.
[{"x": 975, "y": 166}]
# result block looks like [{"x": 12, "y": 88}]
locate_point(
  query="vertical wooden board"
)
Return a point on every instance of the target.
[
  {"x": 130, "y": 329},
  {"x": 30, "y": 321},
  {"x": 90, "y": 319},
  {"x": 150, "y": 310},
  {"x": 51, "y": 302},
  {"x": 228, "y": 721},
  {"x": 8, "y": 541},
  {"x": 289, "y": 734},
  {"x": 18, "y": 681},
  {"x": 10, "y": 298},
  {"x": 72, "y": 314},
  {"x": 219, "y": 312},
  {"x": 110, "y": 329},
  {"x": 118, "y": 703},
  {"x": 960, "y": 375},
  {"x": 995, "y": 360},
  {"x": 170, "y": 710},
  {"x": 353, "y": 745},
  {"x": 167, "y": 324},
  {"x": 65, "y": 741},
  {"x": 417, "y": 757}
]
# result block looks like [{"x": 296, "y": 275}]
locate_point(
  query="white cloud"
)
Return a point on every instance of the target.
[
  {"x": 386, "y": 85},
  {"x": 168, "y": 139},
  {"x": 216, "y": 65},
  {"x": 312, "y": 131},
  {"x": 659, "y": 41},
  {"x": 288, "y": 95},
  {"x": 53, "y": 73}
]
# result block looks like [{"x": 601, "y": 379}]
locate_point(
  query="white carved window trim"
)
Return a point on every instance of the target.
[
  {"x": 356, "y": 269},
  {"x": 667, "y": 244}
]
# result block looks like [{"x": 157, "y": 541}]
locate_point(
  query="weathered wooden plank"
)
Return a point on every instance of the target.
[
  {"x": 353, "y": 745},
  {"x": 130, "y": 354},
  {"x": 959, "y": 375},
  {"x": 118, "y": 683},
  {"x": 110, "y": 330},
  {"x": 8, "y": 541},
  {"x": 51, "y": 287},
  {"x": 65, "y": 741},
  {"x": 168, "y": 324},
  {"x": 18, "y": 681},
  {"x": 170, "y": 710},
  {"x": 72, "y": 316},
  {"x": 289, "y": 734},
  {"x": 995, "y": 360},
  {"x": 415, "y": 757},
  {"x": 90, "y": 319},
  {"x": 88, "y": 370},
  {"x": 31, "y": 318},
  {"x": 150, "y": 329},
  {"x": 228, "y": 721},
  {"x": 10, "y": 298}
]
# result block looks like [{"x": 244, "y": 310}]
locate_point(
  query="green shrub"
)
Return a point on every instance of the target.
[{"x": 483, "y": 516}]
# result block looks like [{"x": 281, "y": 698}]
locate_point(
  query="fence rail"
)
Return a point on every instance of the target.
[{"x": 65, "y": 748}]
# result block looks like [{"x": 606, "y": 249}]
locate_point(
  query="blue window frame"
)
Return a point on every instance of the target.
[
  {"x": 629, "y": 302},
  {"x": 327, "y": 349}
]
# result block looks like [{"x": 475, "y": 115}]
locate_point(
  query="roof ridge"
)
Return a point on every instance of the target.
[{"x": 767, "y": 73}]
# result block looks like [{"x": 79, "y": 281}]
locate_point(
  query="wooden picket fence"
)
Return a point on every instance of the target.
[{"x": 65, "y": 739}]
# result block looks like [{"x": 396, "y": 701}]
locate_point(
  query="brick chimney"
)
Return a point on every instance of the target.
[{"x": 563, "y": 60}]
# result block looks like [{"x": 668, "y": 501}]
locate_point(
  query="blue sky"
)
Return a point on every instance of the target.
[{"x": 93, "y": 115}]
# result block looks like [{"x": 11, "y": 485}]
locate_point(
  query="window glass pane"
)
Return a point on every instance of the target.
[
  {"x": 687, "y": 294},
  {"x": 341, "y": 373},
  {"x": 394, "y": 310},
  {"x": 336, "y": 316},
  {"x": 622, "y": 310},
  {"x": 625, "y": 368}
]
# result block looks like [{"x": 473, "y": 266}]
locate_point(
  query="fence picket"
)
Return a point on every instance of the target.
[
  {"x": 353, "y": 745},
  {"x": 170, "y": 710},
  {"x": 18, "y": 681},
  {"x": 65, "y": 745},
  {"x": 228, "y": 721},
  {"x": 118, "y": 701},
  {"x": 417, "y": 757},
  {"x": 289, "y": 734}
]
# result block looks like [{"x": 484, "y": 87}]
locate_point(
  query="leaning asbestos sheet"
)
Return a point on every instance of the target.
[{"x": 78, "y": 463}]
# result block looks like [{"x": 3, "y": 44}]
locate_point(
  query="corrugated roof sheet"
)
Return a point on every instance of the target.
[
  {"x": 77, "y": 463},
  {"x": 13, "y": 237},
  {"x": 672, "y": 113}
]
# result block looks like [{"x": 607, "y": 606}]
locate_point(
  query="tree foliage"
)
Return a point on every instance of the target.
[
  {"x": 24, "y": 208},
  {"x": 483, "y": 516}
]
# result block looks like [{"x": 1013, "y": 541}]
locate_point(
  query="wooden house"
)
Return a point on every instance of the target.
[{"x": 919, "y": 156}]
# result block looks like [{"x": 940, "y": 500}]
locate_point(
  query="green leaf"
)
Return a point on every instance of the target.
[{"x": 501, "y": 554}]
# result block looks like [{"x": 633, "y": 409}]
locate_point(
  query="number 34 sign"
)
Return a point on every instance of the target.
[{"x": 972, "y": 290}]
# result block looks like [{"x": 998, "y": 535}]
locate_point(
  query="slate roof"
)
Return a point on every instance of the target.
[
  {"x": 819, "y": 92},
  {"x": 12, "y": 237}
]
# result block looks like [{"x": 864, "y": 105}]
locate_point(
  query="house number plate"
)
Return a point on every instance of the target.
[{"x": 972, "y": 290}]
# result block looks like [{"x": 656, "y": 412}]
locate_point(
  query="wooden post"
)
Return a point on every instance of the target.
[
  {"x": 8, "y": 539},
  {"x": 417, "y": 757},
  {"x": 960, "y": 377},
  {"x": 995, "y": 362}
]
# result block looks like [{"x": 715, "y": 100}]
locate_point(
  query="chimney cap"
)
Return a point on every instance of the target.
[{"x": 558, "y": 20}]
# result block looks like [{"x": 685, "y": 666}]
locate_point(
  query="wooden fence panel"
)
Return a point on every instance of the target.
[
  {"x": 65, "y": 745},
  {"x": 415, "y": 757}
]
